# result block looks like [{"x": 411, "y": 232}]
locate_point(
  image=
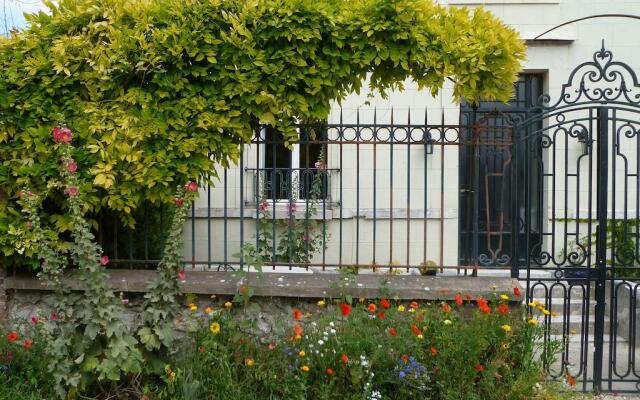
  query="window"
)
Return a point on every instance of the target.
[
  {"x": 485, "y": 167},
  {"x": 292, "y": 174}
]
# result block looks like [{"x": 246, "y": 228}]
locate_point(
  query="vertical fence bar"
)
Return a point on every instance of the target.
[
  {"x": 601, "y": 243},
  {"x": 225, "y": 218},
  {"x": 375, "y": 142},
  {"x": 442, "y": 194},
  {"x": 425, "y": 210},
  {"x": 391, "y": 138},
  {"x": 209, "y": 234},
  {"x": 340, "y": 173},
  {"x": 357, "y": 137},
  {"x": 408, "y": 185},
  {"x": 476, "y": 187},
  {"x": 242, "y": 167}
]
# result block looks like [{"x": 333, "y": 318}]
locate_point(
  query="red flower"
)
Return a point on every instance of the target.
[
  {"x": 516, "y": 291},
  {"x": 372, "y": 308},
  {"x": 467, "y": 297},
  {"x": 416, "y": 330},
  {"x": 54, "y": 317},
  {"x": 344, "y": 358},
  {"x": 201, "y": 349},
  {"x": 413, "y": 305},
  {"x": 329, "y": 372},
  {"x": 178, "y": 201},
  {"x": 503, "y": 309},
  {"x": 191, "y": 186},
  {"x": 485, "y": 309},
  {"x": 479, "y": 367},
  {"x": 27, "y": 344},
  {"x": 458, "y": 300},
  {"x": 297, "y": 314},
  {"x": 297, "y": 330},
  {"x": 345, "y": 309},
  {"x": 35, "y": 320},
  {"x": 405, "y": 358},
  {"x": 104, "y": 260},
  {"x": 72, "y": 167},
  {"x": 434, "y": 351},
  {"x": 13, "y": 336},
  {"x": 182, "y": 275},
  {"x": 392, "y": 332},
  {"x": 384, "y": 303},
  {"x": 382, "y": 315},
  {"x": 446, "y": 308}
]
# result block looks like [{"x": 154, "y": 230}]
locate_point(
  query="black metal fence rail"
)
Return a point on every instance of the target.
[{"x": 381, "y": 194}]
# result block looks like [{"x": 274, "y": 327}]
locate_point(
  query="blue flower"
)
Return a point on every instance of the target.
[{"x": 401, "y": 374}]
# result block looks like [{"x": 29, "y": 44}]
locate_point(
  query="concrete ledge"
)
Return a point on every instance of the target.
[{"x": 300, "y": 285}]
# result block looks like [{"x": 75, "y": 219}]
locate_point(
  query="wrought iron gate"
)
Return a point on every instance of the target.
[{"x": 581, "y": 258}]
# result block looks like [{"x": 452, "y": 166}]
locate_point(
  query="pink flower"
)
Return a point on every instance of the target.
[
  {"x": 71, "y": 191},
  {"x": 54, "y": 317},
  {"x": 305, "y": 238},
  {"x": 72, "y": 167},
  {"x": 320, "y": 165},
  {"x": 264, "y": 206},
  {"x": 125, "y": 301},
  {"x": 178, "y": 201},
  {"x": 291, "y": 208},
  {"x": 191, "y": 186},
  {"x": 35, "y": 320},
  {"x": 29, "y": 224},
  {"x": 62, "y": 135},
  {"x": 104, "y": 260},
  {"x": 182, "y": 275}
]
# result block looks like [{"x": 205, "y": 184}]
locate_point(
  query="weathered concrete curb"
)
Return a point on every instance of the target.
[{"x": 299, "y": 285}]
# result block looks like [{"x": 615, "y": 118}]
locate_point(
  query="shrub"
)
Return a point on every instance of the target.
[
  {"x": 162, "y": 91},
  {"x": 372, "y": 350}
]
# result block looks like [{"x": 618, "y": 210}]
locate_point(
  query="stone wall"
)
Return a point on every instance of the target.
[{"x": 3, "y": 295}]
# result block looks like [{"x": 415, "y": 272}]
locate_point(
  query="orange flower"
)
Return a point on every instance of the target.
[
  {"x": 382, "y": 315},
  {"x": 372, "y": 307},
  {"x": 344, "y": 358},
  {"x": 446, "y": 308},
  {"x": 503, "y": 309},
  {"x": 13, "y": 336},
  {"x": 384, "y": 303},
  {"x": 27, "y": 344},
  {"x": 571, "y": 380},
  {"x": 467, "y": 297},
  {"x": 405, "y": 358},
  {"x": 393, "y": 332},
  {"x": 297, "y": 314},
  {"x": 458, "y": 300},
  {"x": 345, "y": 309},
  {"x": 413, "y": 305},
  {"x": 416, "y": 330},
  {"x": 329, "y": 372},
  {"x": 434, "y": 351},
  {"x": 479, "y": 367},
  {"x": 297, "y": 329}
]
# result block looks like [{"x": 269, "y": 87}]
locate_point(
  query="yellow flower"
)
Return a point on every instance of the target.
[
  {"x": 192, "y": 307},
  {"x": 506, "y": 328},
  {"x": 412, "y": 310},
  {"x": 504, "y": 297},
  {"x": 545, "y": 311},
  {"x": 533, "y": 322},
  {"x": 228, "y": 304},
  {"x": 208, "y": 310},
  {"x": 533, "y": 304},
  {"x": 302, "y": 353},
  {"x": 420, "y": 337},
  {"x": 305, "y": 368},
  {"x": 248, "y": 362},
  {"x": 172, "y": 375},
  {"x": 505, "y": 346},
  {"x": 447, "y": 322},
  {"x": 321, "y": 303},
  {"x": 214, "y": 328},
  {"x": 401, "y": 308}
]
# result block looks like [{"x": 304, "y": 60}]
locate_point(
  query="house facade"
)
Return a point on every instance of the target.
[{"x": 415, "y": 180}]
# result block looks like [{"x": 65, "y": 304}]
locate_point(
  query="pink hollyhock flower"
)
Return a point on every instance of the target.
[
  {"x": 292, "y": 208},
  {"x": 54, "y": 317},
  {"x": 182, "y": 275},
  {"x": 72, "y": 167},
  {"x": 35, "y": 320},
  {"x": 125, "y": 301},
  {"x": 71, "y": 191},
  {"x": 62, "y": 135},
  {"x": 320, "y": 165},
  {"x": 305, "y": 238},
  {"x": 264, "y": 206},
  {"x": 191, "y": 186},
  {"x": 104, "y": 260},
  {"x": 178, "y": 201}
]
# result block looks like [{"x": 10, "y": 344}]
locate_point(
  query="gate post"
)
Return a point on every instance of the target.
[{"x": 601, "y": 243}]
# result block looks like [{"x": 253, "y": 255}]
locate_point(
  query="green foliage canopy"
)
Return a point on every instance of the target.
[{"x": 161, "y": 91}]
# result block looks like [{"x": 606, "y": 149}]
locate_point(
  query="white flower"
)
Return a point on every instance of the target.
[
  {"x": 332, "y": 324},
  {"x": 311, "y": 345},
  {"x": 320, "y": 342},
  {"x": 333, "y": 331}
]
